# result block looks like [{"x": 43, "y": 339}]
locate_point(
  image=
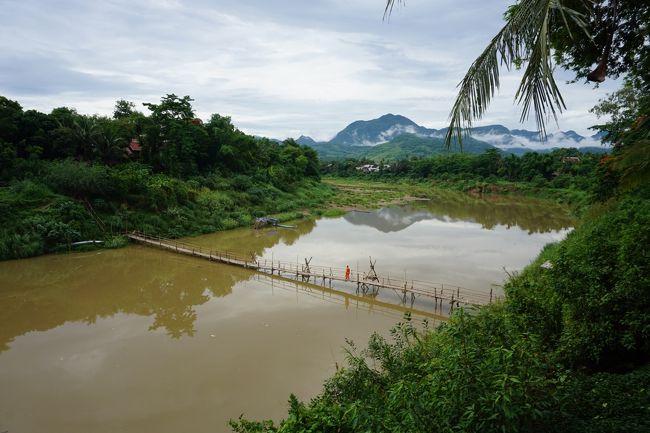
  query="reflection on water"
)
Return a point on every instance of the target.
[
  {"x": 453, "y": 239},
  {"x": 248, "y": 242},
  {"x": 42, "y": 293},
  {"x": 139, "y": 339},
  {"x": 529, "y": 215},
  {"x": 46, "y": 292}
]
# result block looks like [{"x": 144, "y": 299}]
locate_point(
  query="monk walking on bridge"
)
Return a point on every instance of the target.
[{"x": 347, "y": 273}]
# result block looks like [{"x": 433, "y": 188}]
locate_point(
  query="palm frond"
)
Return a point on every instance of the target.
[
  {"x": 524, "y": 38},
  {"x": 389, "y": 7},
  {"x": 538, "y": 87}
]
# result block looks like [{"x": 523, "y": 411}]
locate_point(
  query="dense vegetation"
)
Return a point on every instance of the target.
[
  {"x": 560, "y": 168},
  {"x": 68, "y": 177}
]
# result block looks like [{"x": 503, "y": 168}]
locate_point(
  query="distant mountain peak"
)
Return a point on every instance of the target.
[
  {"x": 377, "y": 131},
  {"x": 305, "y": 140},
  {"x": 395, "y": 118}
]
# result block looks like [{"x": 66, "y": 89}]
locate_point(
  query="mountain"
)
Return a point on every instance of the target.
[
  {"x": 507, "y": 140},
  {"x": 402, "y": 147},
  {"x": 327, "y": 151},
  {"x": 377, "y": 131},
  {"x": 305, "y": 140},
  {"x": 393, "y": 137},
  {"x": 390, "y": 126}
]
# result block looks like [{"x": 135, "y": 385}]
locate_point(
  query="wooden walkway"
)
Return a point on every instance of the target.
[{"x": 367, "y": 283}]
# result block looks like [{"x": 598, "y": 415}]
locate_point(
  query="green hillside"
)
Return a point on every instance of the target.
[
  {"x": 407, "y": 146},
  {"x": 331, "y": 151},
  {"x": 404, "y": 146}
]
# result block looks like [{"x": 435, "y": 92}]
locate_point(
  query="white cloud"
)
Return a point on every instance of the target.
[{"x": 277, "y": 68}]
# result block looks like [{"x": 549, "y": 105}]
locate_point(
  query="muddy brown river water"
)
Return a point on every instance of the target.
[{"x": 141, "y": 340}]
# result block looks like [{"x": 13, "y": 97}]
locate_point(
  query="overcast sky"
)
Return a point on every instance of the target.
[{"x": 279, "y": 68}]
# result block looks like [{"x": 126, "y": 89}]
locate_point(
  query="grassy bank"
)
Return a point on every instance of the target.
[{"x": 363, "y": 194}]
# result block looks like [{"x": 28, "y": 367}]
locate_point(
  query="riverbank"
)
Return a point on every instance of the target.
[
  {"x": 148, "y": 311},
  {"x": 362, "y": 194},
  {"x": 38, "y": 218}
]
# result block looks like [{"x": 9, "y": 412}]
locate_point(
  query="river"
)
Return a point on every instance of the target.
[{"x": 137, "y": 339}]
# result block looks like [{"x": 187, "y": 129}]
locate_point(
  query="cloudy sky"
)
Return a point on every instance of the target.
[{"x": 279, "y": 68}]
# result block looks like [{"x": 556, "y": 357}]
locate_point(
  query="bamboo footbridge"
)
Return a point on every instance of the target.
[{"x": 367, "y": 283}]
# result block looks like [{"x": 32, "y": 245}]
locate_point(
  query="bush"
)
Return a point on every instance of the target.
[
  {"x": 80, "y": 179},
  {"x": 603, "y": 403},
  {"x": 18, "y": 246},
  {"x": 116, "y": 242},
  {"x": 474, "y": 374},
  {"x": 594, "y": 303}
]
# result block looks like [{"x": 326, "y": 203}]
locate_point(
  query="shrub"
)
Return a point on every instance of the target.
[
  {"x": 80, "y": 179},
  {"x": 594, "y": 303}
]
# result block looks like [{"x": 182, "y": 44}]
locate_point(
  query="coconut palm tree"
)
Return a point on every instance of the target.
[{"x": 86, "y": 131}]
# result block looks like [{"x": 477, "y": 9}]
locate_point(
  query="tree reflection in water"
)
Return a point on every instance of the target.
[{"x": 45, "y": 292}]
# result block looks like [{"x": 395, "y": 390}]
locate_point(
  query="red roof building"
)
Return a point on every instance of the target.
[{"x": 134, "y": 147}]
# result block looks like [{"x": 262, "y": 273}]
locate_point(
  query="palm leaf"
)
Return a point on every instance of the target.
[
  {"x": 389, "y": 7},
  {"x": 523, "y": 39}
]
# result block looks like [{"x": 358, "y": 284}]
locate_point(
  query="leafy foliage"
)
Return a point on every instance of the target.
[
  {"x": 69, "y": 177},
  {"x": 592, "y": 306}
]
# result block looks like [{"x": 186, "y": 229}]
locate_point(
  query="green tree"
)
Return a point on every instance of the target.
[
  {"x": 10, "y": 115},
  {"x": 168, "y": 135},
  {"x": 171, "y": 108},
  {"x": 123, "y": 109},
  {"x": 86, "y": 133}
]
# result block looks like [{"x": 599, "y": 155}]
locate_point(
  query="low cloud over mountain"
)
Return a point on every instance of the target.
[{"x": 390, "y": 126}]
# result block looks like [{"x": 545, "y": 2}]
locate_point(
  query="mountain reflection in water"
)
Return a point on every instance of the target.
[{"x": 530, "y": 215}]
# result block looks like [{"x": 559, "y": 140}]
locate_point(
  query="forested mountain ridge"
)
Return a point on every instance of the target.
[
  {"x": 377, "y": 131},
  {"x": 404, "y": 146},
  {"x": 402, "y": 138}
]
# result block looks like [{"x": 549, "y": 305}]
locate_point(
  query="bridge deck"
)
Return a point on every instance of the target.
[{"x": 367, "y": 285}]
